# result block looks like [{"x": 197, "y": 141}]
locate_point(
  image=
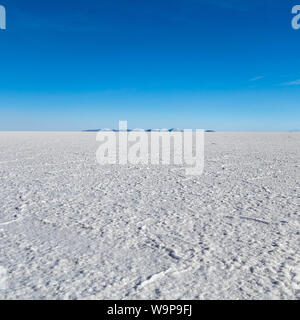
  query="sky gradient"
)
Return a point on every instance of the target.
[{"x": 227, "y": 65}]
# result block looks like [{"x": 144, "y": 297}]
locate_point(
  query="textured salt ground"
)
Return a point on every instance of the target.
[{"x": 72, "y": 229}]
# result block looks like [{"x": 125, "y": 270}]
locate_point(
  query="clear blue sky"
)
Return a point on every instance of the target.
[{"x": 228, "y": 65}]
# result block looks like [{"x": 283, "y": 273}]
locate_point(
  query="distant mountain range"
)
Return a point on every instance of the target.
[{"x": 138, "y": 130}]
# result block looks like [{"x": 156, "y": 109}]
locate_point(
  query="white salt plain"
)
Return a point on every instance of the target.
[{"x": 72, "y": 229}]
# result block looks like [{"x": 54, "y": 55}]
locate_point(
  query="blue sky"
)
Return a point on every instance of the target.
[{"x": 228, "y": 65}]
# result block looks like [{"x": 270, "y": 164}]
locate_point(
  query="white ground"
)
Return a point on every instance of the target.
[{"x": 70, "y": 228}]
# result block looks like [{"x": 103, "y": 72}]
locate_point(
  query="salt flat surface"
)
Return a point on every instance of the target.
[{"x": 72, "y": 229}]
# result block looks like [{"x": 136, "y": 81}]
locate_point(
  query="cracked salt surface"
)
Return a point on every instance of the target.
[{"x": 72, "y": 229}]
